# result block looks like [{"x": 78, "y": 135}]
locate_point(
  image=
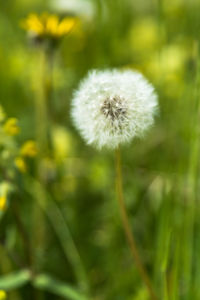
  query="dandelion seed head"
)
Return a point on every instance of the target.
[{"x": 112, "y": 107}]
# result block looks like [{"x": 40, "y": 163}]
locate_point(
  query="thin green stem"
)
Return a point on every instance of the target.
[
  {"x": 41, "y": 105},
  {"x": 24, "y": 235},
  {"x": 127, "y": 229},
  {"x": 190, "y": 211},
  {"x": 44, "y": 81},
  {"x": 61, "y": 228}
]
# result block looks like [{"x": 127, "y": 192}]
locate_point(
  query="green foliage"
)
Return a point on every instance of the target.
[
  {"x": 60, "y": 230},
  {"x": 47, "y": 283},
  {"x": 14, "y": 280}
]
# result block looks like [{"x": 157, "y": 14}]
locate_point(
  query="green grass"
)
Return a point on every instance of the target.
[{"x": 62, "y": 222}]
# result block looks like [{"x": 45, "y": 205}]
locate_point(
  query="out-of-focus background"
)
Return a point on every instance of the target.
[{"x": 60, "y": 231}]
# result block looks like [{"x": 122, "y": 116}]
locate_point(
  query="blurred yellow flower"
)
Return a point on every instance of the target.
[
  {"x": 173, "y": 58},
  {"x": 11, "y": 126},
  {"x": 3, "y": 295},
  {"x": 3, "y": 202},
  {"x": 48, "y": 25},
  {"x": 2, "y": 114},
  {"x": 62, "y": 142},
  {"x": 168, "y": 67},
  {"x": 20, "y": 164},
  {"x": 145, "y": 36},
  {"x": 29, "y": 149}
]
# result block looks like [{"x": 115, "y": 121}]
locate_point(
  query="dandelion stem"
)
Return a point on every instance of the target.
[
  {"x": 127, "y": 228},
  {"x": 43, "y": 127},
  {"x": 49, "y": 58}
]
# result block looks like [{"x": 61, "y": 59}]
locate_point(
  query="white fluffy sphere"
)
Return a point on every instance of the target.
[{"x": 112, "y": 107}]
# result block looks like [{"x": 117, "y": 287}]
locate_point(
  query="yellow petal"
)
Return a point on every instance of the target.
[
  {"x": 66, "y": 26},
  {"x": 52, "y": 25},
  {"x": 33, "y": 23},
  {"x": 34, "y": 27}
]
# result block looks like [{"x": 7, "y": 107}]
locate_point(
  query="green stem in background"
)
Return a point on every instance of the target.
[
  {"x": 44, "y": 99},
  {"x": 44, "y": 203},
  {"x": 23, "y": 234},
  {"x": 49, "y": 58},
  {"x": 7, "y": 260},
  {"x": 43, "y": 105},
  {"x": 164, "y": 234},
  {"x": 127, "y": 229},
  {"x": 190, "y": 206},
  {"x": 60, "y": 226},
  {"x": 174, "y": 284}
]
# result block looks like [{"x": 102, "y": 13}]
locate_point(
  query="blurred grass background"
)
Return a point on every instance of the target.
[{"x": 62, "y": 219}]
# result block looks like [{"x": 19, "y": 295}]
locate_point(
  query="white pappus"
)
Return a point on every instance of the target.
[{"x": 112, "y": 107}]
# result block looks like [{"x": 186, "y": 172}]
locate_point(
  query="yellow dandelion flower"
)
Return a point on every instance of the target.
[
  {"x": 3, "y": 295},
  {"x": 20, "y": 164},
  {"x": 29, "y": 149},
  {"x": 3, "y": 202},
  {"x": 11, "y": 126},
  {"x": 48, "y": 25}
]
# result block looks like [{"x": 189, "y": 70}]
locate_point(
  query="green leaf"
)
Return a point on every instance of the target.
[
  {"x": 14, "y": 280},
  {"x": 47, "y": 283}
]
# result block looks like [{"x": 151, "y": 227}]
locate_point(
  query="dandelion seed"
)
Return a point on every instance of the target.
[{"x": 112, "y": 107}]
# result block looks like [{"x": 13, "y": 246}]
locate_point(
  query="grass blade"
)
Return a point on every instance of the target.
[
  {"x": 14, "y": 280},
  {"x": 47, "y": 283}
]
